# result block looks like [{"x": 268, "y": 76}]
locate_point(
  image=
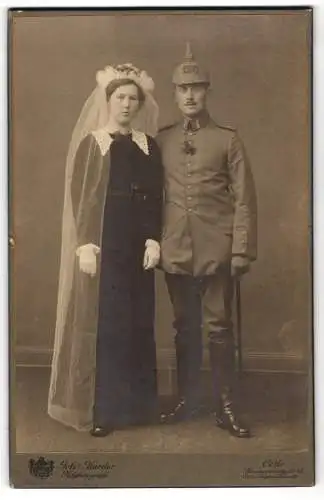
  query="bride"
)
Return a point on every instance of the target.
[{"x": 103, "y": 373}]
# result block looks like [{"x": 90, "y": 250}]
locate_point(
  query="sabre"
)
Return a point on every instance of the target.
[{"x": 239, "y": 324}]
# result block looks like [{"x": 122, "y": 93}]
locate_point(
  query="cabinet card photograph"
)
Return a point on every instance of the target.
[{"x": 160, "y": 235}]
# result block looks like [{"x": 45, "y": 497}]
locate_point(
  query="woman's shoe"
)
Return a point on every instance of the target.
[
  {"x": 181, "y": 412},
  {"x": 98, "y": 431}
]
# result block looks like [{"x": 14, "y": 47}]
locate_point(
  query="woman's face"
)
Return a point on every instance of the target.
[{"x": 124, "y": 104}]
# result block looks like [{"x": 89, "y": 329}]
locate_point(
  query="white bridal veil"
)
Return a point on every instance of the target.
[{"x": 71, "y": 389}]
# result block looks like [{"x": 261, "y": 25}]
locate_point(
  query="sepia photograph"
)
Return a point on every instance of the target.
[{"x": 160, "y": 239}]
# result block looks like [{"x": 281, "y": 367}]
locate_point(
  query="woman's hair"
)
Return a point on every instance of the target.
[{"x": 112, "y": 86}]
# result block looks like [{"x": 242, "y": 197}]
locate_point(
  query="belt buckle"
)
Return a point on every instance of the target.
[{"x": 137, "y": 194}]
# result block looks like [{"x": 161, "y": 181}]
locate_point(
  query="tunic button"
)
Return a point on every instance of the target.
[
  {"x": 190, "y": 210},
  {"x": 189, "y": 197}
]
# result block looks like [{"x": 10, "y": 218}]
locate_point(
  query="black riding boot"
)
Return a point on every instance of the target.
[
  {"x": 223, "y": 372},
  {"x": 188, "y": 384}
]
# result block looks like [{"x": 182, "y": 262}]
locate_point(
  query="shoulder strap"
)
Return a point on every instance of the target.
[
  {"x": 226, "y": 127},
  {"x": 167, "y": 127}
]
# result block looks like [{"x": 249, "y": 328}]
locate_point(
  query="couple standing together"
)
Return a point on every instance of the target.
[{"x": 184, "y": 201}]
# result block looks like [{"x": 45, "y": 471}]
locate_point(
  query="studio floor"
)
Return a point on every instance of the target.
[{"x": 275, "y": 406}]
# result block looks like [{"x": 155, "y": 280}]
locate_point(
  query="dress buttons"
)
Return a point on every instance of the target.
[
  {"x": 189, "y": 197},
  {"x": 190, "y": 210}
]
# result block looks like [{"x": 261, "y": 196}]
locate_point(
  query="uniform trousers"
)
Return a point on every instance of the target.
[{"x": 202, "y": 310}]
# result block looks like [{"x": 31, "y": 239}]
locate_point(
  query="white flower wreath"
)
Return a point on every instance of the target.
[{"x": 128, "y": 70}]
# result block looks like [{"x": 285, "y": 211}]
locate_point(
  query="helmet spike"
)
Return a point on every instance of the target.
[{"x": 189, "y": 54}]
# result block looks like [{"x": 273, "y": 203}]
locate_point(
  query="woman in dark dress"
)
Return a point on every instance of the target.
[{"x": 104, "y": 363}]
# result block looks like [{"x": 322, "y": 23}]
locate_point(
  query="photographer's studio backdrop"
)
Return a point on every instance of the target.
[{"x": 259, "y": 65}]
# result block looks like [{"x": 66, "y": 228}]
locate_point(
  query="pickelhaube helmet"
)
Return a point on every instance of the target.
[{"x": 189, "y": 71}]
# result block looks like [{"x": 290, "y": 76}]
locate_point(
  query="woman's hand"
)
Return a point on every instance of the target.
[
  {"x": 88, "y": 258},
  {"x": 151, "y": 254}
]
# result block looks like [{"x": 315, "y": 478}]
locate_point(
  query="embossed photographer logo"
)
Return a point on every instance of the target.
[{"x": 41, "y": 468}]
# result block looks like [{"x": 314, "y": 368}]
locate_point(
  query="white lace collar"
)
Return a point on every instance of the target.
[
  {"x": 141, "y": 140},
  {"x": 104, "y": 140}
]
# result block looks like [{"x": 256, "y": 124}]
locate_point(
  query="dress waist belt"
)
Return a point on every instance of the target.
[{"x": 133, "y": 194}]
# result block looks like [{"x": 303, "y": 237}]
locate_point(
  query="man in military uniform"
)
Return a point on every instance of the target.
[{"x": 208, "y": 241}]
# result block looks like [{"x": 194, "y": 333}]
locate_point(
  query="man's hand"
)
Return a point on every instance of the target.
[
  {"x": 239, "y": 266},
  {"x": 151, "y": 254},
  {"x": 88, "y": 258}
]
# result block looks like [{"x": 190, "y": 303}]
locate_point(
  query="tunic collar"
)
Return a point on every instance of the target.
[
  {"x": 104, "y": 139},
  {"x": 194, "y": 124}
]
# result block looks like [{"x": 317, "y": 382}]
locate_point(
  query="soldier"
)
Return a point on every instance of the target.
[{"x": 209, "y": 239}]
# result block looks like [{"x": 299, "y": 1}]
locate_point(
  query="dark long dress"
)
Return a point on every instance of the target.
[{"x": 126, "y": 387}]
